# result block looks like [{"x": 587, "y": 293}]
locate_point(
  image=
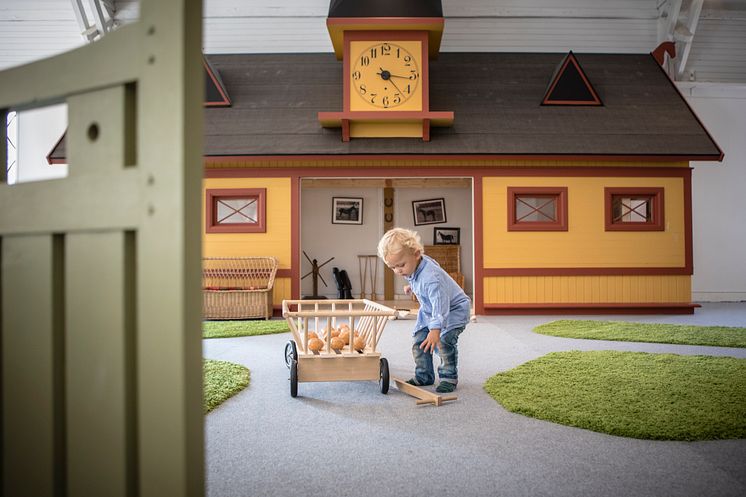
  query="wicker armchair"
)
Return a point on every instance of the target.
[{"x": 238, "y": 287}]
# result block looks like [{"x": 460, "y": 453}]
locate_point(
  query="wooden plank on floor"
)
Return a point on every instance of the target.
[{"x": 424, "y": 397}]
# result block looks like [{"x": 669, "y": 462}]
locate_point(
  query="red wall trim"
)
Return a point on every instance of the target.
[
  {"x": 580, "y": 308},
  {"x": 478, "y": 229},
  {"x": 346, "y": 90},
  {"x": 306, "y": 158},
  {"x": 688, "y": 235},
  {"x": 284, "y": 273},
  {"x": 295, "y": 237},
  {"x": 588, "y": 271},
  {"x": 438, "y": 170}
]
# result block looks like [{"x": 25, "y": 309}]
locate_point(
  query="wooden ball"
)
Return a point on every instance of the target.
[
  {"x": 315, "y": 345},
  {"x": 335, "y": 332},
  {"x": 312, "y": 334},
  {"x": 344, "y": 326},
  {"x": 337, "y": 343},
  {"x": 345, "y": 337},
  {"x": 359, "y": 343}
]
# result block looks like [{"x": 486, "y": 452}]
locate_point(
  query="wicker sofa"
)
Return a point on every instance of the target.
[{"x": 238, "y": 287}]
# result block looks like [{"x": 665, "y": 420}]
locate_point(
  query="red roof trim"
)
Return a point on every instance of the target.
[
  {"x": 459, "y": 157},
  {"x": 51, "y": 160},
  {"x": 226, "y": 101},
  {"x": 681, "y": 96}
]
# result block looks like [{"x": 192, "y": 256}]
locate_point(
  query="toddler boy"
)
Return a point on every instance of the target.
[{"x": 444, "y": 307}]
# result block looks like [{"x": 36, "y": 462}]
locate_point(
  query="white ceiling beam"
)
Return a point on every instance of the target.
[
  {"x": 673, "y": 18},
  {"x": 689, "y": 28},
  {"x": 87, "y": 31},
  {"x": 102, "y": 12},
  {"x": 103, "y": 24}
]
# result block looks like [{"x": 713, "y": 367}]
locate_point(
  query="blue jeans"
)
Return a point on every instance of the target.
[{"x": 448, "y": 353}]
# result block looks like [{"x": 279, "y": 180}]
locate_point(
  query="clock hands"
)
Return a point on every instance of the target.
[{"x": 386, "y": 76}]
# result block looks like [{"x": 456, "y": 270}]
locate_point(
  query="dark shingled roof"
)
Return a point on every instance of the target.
[
  {"x": 385, "y": 8},
  {"x": 496, "y": 98}
]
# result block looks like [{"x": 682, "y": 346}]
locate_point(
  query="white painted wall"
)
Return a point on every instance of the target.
[
  {"x": 719, "y": 190},
  {"x": 38, "y": 132},
  {"x": 458, "y": 202},
  {"x": 321, "y": 239}
]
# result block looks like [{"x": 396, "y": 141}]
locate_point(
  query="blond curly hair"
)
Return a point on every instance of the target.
[{"x": 398, "y": 239}]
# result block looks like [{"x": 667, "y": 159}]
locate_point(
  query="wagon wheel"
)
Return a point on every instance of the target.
[
  {"x": 291, "y": 353},
  {"x": 294, "y": 379},
  {"x": 383, "y": 379}
]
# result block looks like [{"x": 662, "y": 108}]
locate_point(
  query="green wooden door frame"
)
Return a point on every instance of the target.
[{"x": 101, "y": 347}]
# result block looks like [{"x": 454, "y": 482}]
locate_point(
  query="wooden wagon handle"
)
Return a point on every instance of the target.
[{"x": 437, "y": 400}]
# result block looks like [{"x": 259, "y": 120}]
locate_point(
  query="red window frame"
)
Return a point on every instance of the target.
[
  {"x": 214, "y": 195},
  {"x": 655, "y": 196},
  {"x": 556, "y": 193}
]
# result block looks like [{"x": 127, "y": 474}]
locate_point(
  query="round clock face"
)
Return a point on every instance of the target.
[{"x": 385, "y": 75}]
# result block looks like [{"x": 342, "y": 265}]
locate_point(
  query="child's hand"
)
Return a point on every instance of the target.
[
  {"x": 407, "y": 289},
  {"x": 432, "y": 341}
]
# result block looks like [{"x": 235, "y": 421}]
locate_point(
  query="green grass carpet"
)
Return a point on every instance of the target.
[
  {"x": 229, "y": 329},
  {"x": 630, "y": 394},
  {"x": 222, "y": 381},
  {"x": 718, "y": 336}
]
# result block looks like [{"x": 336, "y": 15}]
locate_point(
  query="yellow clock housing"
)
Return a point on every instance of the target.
[{"x": 385, "y": 75}]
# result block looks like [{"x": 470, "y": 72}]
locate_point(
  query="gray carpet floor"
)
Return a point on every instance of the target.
[{"x": 347, "y": 439}]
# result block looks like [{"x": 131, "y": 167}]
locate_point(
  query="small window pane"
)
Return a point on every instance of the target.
[
  {"x": 236, "y": 211},
  {"x": 535, "y": 209},
  {"x": 632, "y": 209}
]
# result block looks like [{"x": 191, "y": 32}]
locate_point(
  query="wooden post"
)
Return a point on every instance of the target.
[{"x": 388, "y": 223}]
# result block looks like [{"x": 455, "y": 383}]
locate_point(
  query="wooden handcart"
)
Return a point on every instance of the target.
[{"x": 357, "y": 360}]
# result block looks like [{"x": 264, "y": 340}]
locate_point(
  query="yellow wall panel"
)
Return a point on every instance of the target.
[
  {"x": 281, "y": 291},
  {"x": 586, "y": 289},
  {"x": 586, "y": 243},
  {"x": 275, "y": 242}
]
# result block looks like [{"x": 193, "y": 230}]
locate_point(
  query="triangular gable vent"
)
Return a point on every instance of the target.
[
  {"x": 570, "y": 86},
  {"x": 215, "y": 94}
]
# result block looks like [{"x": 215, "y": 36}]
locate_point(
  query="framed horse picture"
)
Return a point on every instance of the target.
[
  {"x": 446, "y": 236},
  {"x": 431, "y": 211},
  {"x": 346, "y": 210}
]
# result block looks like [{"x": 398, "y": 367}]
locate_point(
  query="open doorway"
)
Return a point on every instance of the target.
[{"x": 343, "y": 219}]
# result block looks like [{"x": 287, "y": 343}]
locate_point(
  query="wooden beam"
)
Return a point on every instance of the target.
[
  {"x": 388, "y": 223},
  {"x": 424, "y": 397},
  {"x": 382, "y": 183}
]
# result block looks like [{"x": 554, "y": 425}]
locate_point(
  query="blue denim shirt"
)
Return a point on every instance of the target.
[{"x": 443, "y": 304}]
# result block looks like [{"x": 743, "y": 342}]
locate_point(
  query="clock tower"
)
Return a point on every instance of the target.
[{"x": 385, "y": 48}]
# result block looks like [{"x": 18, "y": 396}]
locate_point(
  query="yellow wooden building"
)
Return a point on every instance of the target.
[{"x": 572, "y": 172}]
